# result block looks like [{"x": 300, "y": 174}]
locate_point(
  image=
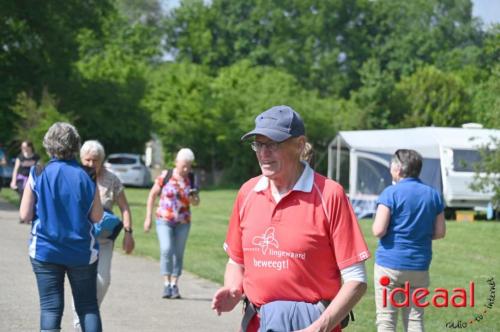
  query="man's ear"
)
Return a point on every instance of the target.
[{"x": 301, "y": 143}]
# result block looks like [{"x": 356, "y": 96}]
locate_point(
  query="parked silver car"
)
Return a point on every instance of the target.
[{"x": 129, "y": 168}]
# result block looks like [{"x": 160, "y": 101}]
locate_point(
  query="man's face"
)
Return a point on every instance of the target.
[{"x": 277, "y": 160}]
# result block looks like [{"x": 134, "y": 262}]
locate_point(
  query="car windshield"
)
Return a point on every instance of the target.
[{"x": 122, "y": 160}]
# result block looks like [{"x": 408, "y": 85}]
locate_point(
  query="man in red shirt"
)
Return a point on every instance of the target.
[{"x": 293, "y": 242}]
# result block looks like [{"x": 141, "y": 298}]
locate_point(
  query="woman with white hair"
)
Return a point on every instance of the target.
[
  {"x": 63, "y": 203},
  {"x": 111, "y": 191},
  {"x": 173, "y": 217}
]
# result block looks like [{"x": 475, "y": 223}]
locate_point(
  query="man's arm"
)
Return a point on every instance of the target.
[
  {"x": 228, "y": 296},
  {"x": 439, "y": 227},
  {"x": 382, "y": 220},
  {"x": 349, "y": 294}
]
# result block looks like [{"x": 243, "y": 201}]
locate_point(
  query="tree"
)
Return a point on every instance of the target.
[
  {"x": 36, "y": 119},
  {"x": 486, "y": 100},
  {"x": 431, "y": 97},
  {"x": 373, "y": 100},
  {"x": 111, "y": 83},
  {"x": 487, "y": 171},
  {"x": 191, "y": 108},
  {"x": 145, "y": 12},
  {"x": 408, "y": 34},
  {"x": 89, "y": 55},
  {"x": 38, "y": 47},
  {"x": 319, "y": 49},
  {"x": 178, "y": 102},
  {"x": 322, "y": 43}
]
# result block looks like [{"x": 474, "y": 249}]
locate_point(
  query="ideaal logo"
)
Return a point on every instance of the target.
[
  {"x": 440, "y": 297},
  {"x": 460, "y": 297}
]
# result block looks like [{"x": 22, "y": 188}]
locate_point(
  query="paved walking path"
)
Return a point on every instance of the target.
[{"x": 133, "y": 302}]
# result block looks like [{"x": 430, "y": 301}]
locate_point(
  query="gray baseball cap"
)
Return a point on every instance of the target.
[{"x": 278, "y": 123}]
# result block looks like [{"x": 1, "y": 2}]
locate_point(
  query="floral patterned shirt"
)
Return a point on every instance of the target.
[{"x": 174, "y": 200}]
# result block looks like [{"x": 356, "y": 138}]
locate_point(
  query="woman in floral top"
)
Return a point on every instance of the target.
[{"x": 173, "y": 218}]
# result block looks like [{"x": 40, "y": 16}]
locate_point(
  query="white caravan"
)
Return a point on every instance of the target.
[{"x": 359, "y": 161}]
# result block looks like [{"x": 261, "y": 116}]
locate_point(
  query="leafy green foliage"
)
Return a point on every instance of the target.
[
  {"x": 432, "y": 97},
  {"x": 319, "y": 49},
  {"x": 487, "y": 172},
  {"x": 321, "y": 43},
  {"x": 486, "y": 100},
  {"x": 111, "y": 71},
  {"x": 191, "y": 108},
  {"x": 35, "y": 119},
  {"x": 39, "y": 45}
]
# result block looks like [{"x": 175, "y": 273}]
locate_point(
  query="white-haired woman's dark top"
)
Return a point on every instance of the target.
[{"x": 62, "y": 230}]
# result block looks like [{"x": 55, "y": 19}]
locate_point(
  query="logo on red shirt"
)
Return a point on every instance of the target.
[{"x": 266, "y": 240}]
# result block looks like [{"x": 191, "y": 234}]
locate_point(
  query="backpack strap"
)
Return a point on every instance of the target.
[
  {"x": 167, "y": 177},
  {"x": 193, "y": 181},
  {"x": 170, "y": 172}
]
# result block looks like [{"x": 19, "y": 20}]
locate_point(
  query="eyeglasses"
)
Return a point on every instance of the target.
[{"x": 271, "y": 146}]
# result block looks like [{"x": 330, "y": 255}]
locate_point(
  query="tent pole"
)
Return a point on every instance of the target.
[{"x": 337, "y": 168}]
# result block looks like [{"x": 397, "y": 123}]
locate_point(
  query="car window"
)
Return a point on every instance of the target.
[{"x": 122, "y": 160}]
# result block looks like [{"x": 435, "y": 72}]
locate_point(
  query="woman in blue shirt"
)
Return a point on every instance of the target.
[
  {"x": 409, "y": 216},
  {"x": 63, "y": 203}
]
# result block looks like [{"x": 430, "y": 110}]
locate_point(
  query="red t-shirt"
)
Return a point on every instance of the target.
[{"x": 294, "y": 249}]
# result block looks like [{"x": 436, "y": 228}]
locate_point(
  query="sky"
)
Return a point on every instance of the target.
[{"x": 487, "y": 10}]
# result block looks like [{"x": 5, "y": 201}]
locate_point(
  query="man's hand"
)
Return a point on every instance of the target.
[{"x": 225, "y": 299}]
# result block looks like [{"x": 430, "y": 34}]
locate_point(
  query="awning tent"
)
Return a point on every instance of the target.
[{"x": 363, "y": 153}]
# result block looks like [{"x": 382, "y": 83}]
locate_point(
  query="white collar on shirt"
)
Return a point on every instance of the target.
[{"x": 304, "y": 183}]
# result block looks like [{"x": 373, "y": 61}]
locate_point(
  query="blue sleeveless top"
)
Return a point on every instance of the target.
[{"x": 62, "y": 230}]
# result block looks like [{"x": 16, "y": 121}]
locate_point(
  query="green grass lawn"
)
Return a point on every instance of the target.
[
  {"x": 10, "y": 195},
  {"x": 470, "y": 252}
]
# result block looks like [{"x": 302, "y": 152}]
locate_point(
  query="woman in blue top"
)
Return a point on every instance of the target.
[
  {"x": 63, "y": 203},
  {"x": 409, "y": 216}
]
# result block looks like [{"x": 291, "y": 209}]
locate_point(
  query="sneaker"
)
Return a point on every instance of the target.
[
  {"x": 175, "y": 292},
  {"x": 167, "y": 292}
]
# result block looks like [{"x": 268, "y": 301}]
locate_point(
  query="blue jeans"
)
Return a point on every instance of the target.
[
  {"x": 50, "y": 280},
  {"x": 172, "y": 244}
]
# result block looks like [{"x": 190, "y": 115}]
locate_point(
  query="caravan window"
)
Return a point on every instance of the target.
[
  {"x": 465, "y": 160},
  {"x": 373, "y": 177}
]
